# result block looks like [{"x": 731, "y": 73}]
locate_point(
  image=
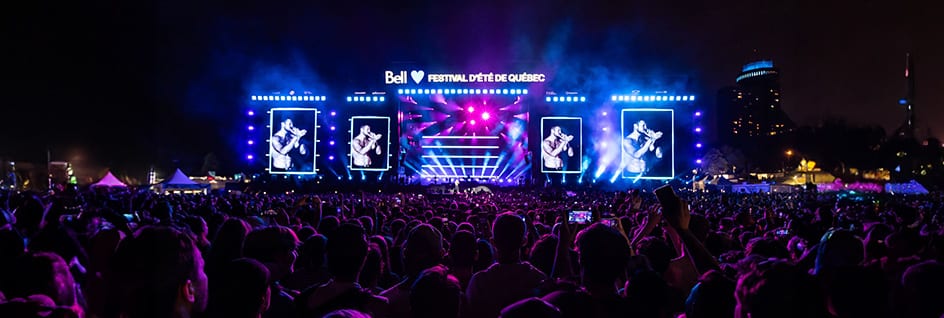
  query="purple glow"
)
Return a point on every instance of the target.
[
  {"x": 332, "y": 128},
  {"x": 333, "y": 113},
  {"x": 249, "y": 157},
  {"x": 472, "y": 122},
  {"x": 250, "y": 113},
  {"x": 698, "y": 145},
  {"x": 471, "y": 109},
  {"x": 332, "y": 143},
  {"x": 698, "y": 114},
  {"x": 251, "y": 128},
  {"x": 486, "y": 116},
  {"x": 698, "y": 161},
  {"x": 604, "y": 113},
  {"x": 330, "y": 157},
  {"x": 698, "y": 129},
  {"x": 250, "y": 142}
]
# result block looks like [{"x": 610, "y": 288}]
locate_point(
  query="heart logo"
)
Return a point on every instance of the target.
[{"x": 417, "y": 76}]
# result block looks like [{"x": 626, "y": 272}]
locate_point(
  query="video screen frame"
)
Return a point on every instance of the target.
[
  {"x": 623, "y": 133},
  {"x": 578, "y": 153},
  {"x": 313, "y": 139},
  {"x": 386, "y": 155}
]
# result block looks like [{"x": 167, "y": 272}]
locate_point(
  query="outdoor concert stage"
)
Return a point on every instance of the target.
[{"x": 415, "y": 126}]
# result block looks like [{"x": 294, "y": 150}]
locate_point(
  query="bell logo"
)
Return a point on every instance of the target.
[
  {"x": 392, "y": 78},
  {"x": 417, "y": 76}
]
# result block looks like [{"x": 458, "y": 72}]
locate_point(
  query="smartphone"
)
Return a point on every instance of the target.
[
  {"x": 128, "y": 217},
  {"x": 579, "y": 217},
  {"x": 612, "y": 222},
  {"x": 783, "y": 232},
  {"x": 667, "y": 197}
]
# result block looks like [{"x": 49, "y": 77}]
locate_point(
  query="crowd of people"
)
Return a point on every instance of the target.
[{"x": 510, "y": 253}]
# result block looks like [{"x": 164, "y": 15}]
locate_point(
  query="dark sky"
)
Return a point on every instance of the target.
[{"x": 126, "y": 83}]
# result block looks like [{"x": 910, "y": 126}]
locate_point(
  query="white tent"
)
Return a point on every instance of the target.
[{"x": 109, "y": 180}]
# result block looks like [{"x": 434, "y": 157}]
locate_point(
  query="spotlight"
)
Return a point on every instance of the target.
[
  {"x": 524, "y": 92},
  {"x": 400, "y": 92},
  {"x": 547, "y": 99},
  {"x": 333, "y": 113},
  {"x": 603, "y": 144},
  {"x": 250, "y": 113},
  {"x": 604, "y": 113},
  {"x": 375, "y": 98},
  {"x": 570, "y": 99},
  {"x": 349, "y": 99},
  {"x": 583, "y": 98},
  {"x": 698, "y": 145},
  {"x": 250, "y": 142},
  {"x": 330, "y": 157},
  {"x": 253, "y": 97},
  {"x": 632, "y": 98},
  {"x": 382, "y": 98},
  {"x": 691, "y": 98},
  {"x": 698, "y": 129},
  {"x": 505, "y": 91},
  {"x": 251, "y": 128},
  {"x": 698, "y": 114},
  {"x": 606, "y": 128},
  {"x": 555, "y": 98},
  {"x": 472, "y": 122},
  {"x": 471, "y": 109},
  {"x": 332, "y": 143},
  {"x": 332, "y": 127},
  {"x": 486, "y": 116},
  {"x": 249, "y": 157},
  {"x": 684, "y": 98},
  {"x": 671, "y": 98},
  {"x": 698, "y": 161}
]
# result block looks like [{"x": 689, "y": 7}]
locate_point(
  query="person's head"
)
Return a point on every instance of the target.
[
  {"x": 313, "y": 251},
  {"x": 778, "y": 289},
  {"x": 556, "y": 131},
  {"x": 365, "y": 130},
  {"x": 486, "y": 255},
  {"x": 423, "y": 249},
  {"x": 462, "y": 251},
  {"x": 922, "y": 289},
  {"x": 240, "y": 289},
  {"x": 543, "y": 252},
  {"x": 858, "y": 292},
  {"x": 42, "y": 273},
  {"x": 509, "y": 234},
  {"x": 530, "y": 308},
  {"x": 640, "y": 126},
  {"x": 158, "y": 272},
  {"x": 197, "y": 226},
  {"x": 435, "y": 293},
  {"x": 603, "y": 255},
  {"x": 713, "y": 296},
  {"x": 287, "y": 124},
  {"x": 373, "y": 267},
  {"x": 347, "y": 251},
  {"x": 766, "y": 247},
  {"x": 658, "y": 252},
  {"x": 276, "y": 247},
  {"x": 838, "y": 249},
  {"x": 346, "y": 313}
]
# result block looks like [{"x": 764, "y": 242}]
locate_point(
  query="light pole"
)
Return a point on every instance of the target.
[{"x": 789, "y": 154}]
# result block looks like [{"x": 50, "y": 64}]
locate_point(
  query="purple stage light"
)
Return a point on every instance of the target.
[
  {"x": 698, "y": 145},
  {"x": 604, "y": 113},
  {"x": 486, "y": 116},
  {"x": 332, "y": 127},
  {"x": 250, "y": 113},
  {"x": 472, "y": 122},
  {"x": 698, "y": 161},
  {"x": 471, "y": 109},
  {"x": 251, "y": 128},
  {"x": 333, "y": 113},
  {"x": 250, "y": 142},
  {"x": 698, "y": 129},
  {"x": 249, "y": 157},
  {"x": 330, "y": 157},
  {"x": 698, "y": 114},
  {"x": 332, "y": 143}
]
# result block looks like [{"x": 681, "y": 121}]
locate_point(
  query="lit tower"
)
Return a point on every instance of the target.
[{"x": 907, "y": 130}]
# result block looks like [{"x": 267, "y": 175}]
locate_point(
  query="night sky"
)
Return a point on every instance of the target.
[{"x": 126, "y": 83}]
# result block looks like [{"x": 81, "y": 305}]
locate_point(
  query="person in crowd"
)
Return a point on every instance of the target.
[
  {"x": 462, "y": 256},
  {"x": 510, "y": 278},
  {"x": 276, "y": 247},
  {"x": 435, "y": 294},
  {"x": 239, "y": 290},
  {"x": 422, "y": 249},
  {"x": 158, "y": 272}
]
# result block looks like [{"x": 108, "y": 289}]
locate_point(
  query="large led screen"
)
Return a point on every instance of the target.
[
  {"x": 464, "y": 136},
  {"x": 648, "y": 143},
  {"x": 292, "y": 136}
]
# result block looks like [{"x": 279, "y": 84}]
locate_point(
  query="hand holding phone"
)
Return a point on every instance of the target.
[
  {"x": 579, "y": 217},
  {"x": 673, "y": 210}
]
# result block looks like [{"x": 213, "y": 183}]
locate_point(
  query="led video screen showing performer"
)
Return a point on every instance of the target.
[
  {"x": 648, "y": 144},
  {"x": 370, "y": 143},
  {"x": 562, "y": 146},
  {"x": 292, "y": 137},
  {"x": 464, "y": 136}
]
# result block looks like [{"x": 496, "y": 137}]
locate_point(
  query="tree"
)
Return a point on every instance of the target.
[{"x": 715, "y": 163}]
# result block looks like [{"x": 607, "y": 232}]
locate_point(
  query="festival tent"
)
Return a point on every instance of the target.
[
  {"x": 108, "y": 181},
  {"x": 181, "y": 183},
  {"x": 912, "y": 187}
]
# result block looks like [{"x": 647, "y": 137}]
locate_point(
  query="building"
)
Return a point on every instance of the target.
[{"x": 751, "y": 108}]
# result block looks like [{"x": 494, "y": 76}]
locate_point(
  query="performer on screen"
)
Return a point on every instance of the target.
[
  {"x": 362, "y": 145},
  {"x": 640, "y": 142},
  {"x": 283, "y": 142},
  {"x": 553, "y": 145}
]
